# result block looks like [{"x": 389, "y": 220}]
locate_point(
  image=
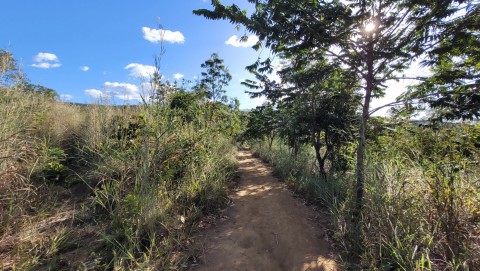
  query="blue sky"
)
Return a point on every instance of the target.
[{"x": 84, "y": 49}]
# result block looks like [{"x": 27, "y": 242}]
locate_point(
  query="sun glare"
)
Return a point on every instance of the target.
[{"x": 370, "y": 27}]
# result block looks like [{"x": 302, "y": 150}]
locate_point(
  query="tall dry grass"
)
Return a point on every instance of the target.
[
  {"x": 123, "y": 186},
  {"x": 422, "y": 202}
]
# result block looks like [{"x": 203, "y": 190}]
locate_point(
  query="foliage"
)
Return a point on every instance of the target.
[
  {"x": 301, "y": 174},
  {"x": 375, "y": 39},
  {"x": 187, "y": 105},
  {"x": 10, "y": 73},
  {"x": 453, "y": 88},
  {"x": 128, "y": 184},
  {"x": 54, "y": 164},
  {"x": 430, "y": 174},
  {"x": 48, "y": 92},
  {"x": 421, "y": 203},
  {"x": 215, "y": 78},
  {"x": 262, "y": 122}
]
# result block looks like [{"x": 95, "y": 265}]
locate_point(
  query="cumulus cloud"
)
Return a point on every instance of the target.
[
  {"x": 145, "y": 87},
  {"x": 46, "y": 65},
  {"x": 46, "y": 61},
  {"x": 157, "y": 35},
  {"x": 178, "y": 76},
  {"x": 66, "y": 97},
  {"x": 44, "y": 57},
  {"x": 95, "y": 93},
  {"x": 140, "y": 70},
  {"x": 236, "y": 41},
  {"x": 84, "y": 68},
  {"x": 122, "y": 91}
]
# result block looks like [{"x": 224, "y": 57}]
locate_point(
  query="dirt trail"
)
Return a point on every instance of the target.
[{"x": 266, "y": 228}]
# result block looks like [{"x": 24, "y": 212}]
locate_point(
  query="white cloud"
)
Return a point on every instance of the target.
[
  {"x": 140, "y": 70},
  {"x": 46, "y": 61},
  {"x": 236, "y": 42},
  {"x": 46, "y": 65},
  {"x": 146, "y": 87},
  {"x": 123, "y": 91},
  {"x": 95, "y": 93},
  {"x": 178, "y": 76},
  {"x": 253, "y": 102},
  {"x": 45, "y": 57},
  {"x": 84, "y": 68},
  {"x": 66, "y": 97},
  {"x": 156, "y": 35}
]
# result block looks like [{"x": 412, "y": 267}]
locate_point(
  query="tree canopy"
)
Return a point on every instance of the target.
[
  {"x": 10, "y": 73},
  {"x": 453, "y": 90},
  {"x": 215, "y": 78},
  {"x": 375, "y": 39}
]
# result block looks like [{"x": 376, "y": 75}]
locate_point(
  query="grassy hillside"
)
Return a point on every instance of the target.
[{"x": 100, "y": 187}]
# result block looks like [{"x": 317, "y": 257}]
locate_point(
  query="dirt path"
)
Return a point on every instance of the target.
[{"x": 266, "y": 228}]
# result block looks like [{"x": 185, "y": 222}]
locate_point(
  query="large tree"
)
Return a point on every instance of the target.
[{"x": 374, "y": 38}]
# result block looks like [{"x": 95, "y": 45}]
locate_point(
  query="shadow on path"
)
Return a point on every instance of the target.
[{"x": 266, "y": 228}]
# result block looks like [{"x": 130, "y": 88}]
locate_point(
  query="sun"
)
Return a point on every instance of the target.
[{"x": 370, "y": 27}]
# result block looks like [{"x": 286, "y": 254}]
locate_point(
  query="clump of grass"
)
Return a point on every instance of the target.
[
  {"x": 153, "y": 190},
  {"x": 421, "y": 207},
  {"x": 18, "y": 154}
]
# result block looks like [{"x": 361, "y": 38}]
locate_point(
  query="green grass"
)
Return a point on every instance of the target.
[
  {"x": 421, "y": 201},
  {"x": 133, "y": 180}
]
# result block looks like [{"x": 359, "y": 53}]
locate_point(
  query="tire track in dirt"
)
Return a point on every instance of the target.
[{"x": 266, "y": 228}]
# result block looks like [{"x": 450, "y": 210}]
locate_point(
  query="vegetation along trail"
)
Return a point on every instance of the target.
[{"x": 266, "y": 228}]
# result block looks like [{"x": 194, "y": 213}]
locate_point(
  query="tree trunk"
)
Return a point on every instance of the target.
[
  {"x": 320, "y": 159},
  {"x": 296, "y": 148},
  {"x": 362, "y": 141},
  {"x": 270, "y": 142},
  {"x": 360, "y": 170},
  {"x": 357, "y": 229}
]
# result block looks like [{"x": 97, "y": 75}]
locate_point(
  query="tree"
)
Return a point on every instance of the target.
[
  {"x": 47, "y": 92},
  {"x": 12, "y": 76},
  {"x": 186, "y": 105},
  {"x": 10, "y": 73},
  {"x": 324, "y": 99},
  {"x": 453, "y": 90},
  {"x": 215, "y": 78},
  {"x": 374, "y": 38},
  {"x": 293, "y": 127},
  {"x": 263, "y": 122}
]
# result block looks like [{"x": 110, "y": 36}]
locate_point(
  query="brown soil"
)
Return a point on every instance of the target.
[{"x": 266, "y": 228}]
